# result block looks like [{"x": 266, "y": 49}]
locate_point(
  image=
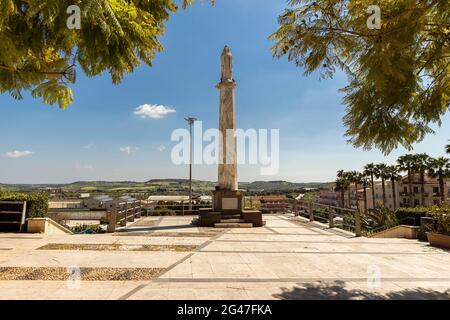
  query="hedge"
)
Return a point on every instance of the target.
[
  {"x": 37, "y": 203},
  {"x": 411, "y": 216}
]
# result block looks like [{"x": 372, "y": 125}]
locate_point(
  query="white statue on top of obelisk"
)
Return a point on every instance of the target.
[
  {"x": 227, "y": 125},
  {"x": 227, "y": 64}
]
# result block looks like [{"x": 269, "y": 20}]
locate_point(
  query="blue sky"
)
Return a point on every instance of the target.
[{"x": 84, "y": 142}]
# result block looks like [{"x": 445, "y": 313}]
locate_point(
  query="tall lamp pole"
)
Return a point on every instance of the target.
[{"x": 190, "y": 122}]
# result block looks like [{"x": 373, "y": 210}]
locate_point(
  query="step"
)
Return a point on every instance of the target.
[
  {"x": 230, "y": 216},
  {"x": 232, "y": 221},
  {"x": 233, "y": 225}
]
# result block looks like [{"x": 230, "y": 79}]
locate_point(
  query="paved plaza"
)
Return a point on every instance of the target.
[{"x": 168, "y": 258}]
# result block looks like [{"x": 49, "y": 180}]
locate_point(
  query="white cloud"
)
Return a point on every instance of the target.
[
  {"x": 18, "y": 154},
  {"x": 84, "y": 166},
  {"x": 161, "y": 148},
  {"x": 89, "y": 146},
  {"x": 153, "y": 111},
  {"x": 128, "y": 149}
]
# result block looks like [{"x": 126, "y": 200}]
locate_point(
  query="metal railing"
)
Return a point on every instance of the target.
[
  {"x": 123, "y": 212},
  {"x": 350, "y": 219}
]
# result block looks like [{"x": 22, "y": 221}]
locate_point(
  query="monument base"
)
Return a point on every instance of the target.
[
  {"x": 228, "y": 202},
  {"x": 228, "y": 211},
  {"x": 244, "y": 219}
]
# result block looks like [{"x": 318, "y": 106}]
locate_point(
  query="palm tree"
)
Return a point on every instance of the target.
[
  {"x": 341, "y": 186},
  {"x": 406, "y": 163},
  {"x": 439, "y": 168},
  {"x": 354, "y": 177},
  {"x": 364, "y": 181},
  {"x": 369, "y": 170},
  {"x": 347, "y": 175},
  {"x": 380, "y": 172},
  {"x": 420, "y": 166},
  {"x": 447, "y": 148},
  {"x": 392, "y": 174}
]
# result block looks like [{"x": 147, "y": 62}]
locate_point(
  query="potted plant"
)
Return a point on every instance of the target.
[{"x": 439, "y": 235}]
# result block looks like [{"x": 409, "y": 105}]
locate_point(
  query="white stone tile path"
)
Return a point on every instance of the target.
[{"x": 286, "y": 259}]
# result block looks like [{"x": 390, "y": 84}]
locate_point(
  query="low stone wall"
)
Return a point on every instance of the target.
[
  {"x": 45, "y": 225},
  {"x": 74, "y": 204},
  {"x": 77, "y": 215},
  {"x": 402, "y": 231}
]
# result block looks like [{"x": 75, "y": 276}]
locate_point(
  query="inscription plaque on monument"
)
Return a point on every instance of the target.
[{"x": 230, "y": 204}]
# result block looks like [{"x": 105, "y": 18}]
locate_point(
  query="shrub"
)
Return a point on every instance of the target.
[
  {"x": 89, "y": 229},
  {"x": 411, "y": 216},
  {"x": 379, "y": 219},
  {"x": 37, "y": 203},
  {"x": 163, "y": 211},
  {"x": 441, "y": 215}
]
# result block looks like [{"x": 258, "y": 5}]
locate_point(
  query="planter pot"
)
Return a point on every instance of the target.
[{"x": 439, "y": 240}]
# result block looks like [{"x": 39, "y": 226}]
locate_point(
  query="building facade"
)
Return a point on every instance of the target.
[{"x": 403, "y": 197}]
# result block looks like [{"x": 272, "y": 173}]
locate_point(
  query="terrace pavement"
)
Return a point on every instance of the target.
[{"x": 289, "y": 258}]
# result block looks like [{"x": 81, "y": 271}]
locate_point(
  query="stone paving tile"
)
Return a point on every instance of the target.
[{"x": 284, "y": 260}]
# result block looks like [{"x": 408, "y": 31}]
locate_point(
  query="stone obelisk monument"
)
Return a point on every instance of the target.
[
  {"x": 228, "y": 201},
  {"x": 227, "y": 197},
  {"x": 227, "y": 125}
]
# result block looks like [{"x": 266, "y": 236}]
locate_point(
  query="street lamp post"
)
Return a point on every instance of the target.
[{"x": 190, "y": 122}]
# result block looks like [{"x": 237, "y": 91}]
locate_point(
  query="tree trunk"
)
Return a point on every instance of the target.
[
  {"x": 422, "y": 188},
  {"x": 365, "y": 195},
  {"x": 373, "y": 191},
  {"x": 349, "y": 193},
  {"x": 384, "y": 192},
  {"x": 411, "y": 197},
  {"x": 394, "y": 196},
  {"x": 356, "y": 193},
  {"x": 441, "y": 187},
  {"x": 343, "y": 198}
]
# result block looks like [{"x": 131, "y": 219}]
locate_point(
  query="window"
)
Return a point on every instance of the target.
[
  {"x": 416, "y": 202},
  {"x": 416, "y": 189}
]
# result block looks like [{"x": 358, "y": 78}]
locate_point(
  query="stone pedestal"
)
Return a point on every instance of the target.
[
  {"x": 208, "y": 218},
  {"x": 228, "y": 207},
  {"x": 228, "y": 201}
]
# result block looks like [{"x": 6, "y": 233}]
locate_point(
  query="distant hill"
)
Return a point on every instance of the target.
[
  {"x": 160, "y": 186},
  {"x": 281, "y": 185}
]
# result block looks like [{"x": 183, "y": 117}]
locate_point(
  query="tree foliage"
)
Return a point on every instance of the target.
[
  {"x": 39, "y": 53},
  {"x": 37, "y": 203},
  {"x": 399, "y": 75}
]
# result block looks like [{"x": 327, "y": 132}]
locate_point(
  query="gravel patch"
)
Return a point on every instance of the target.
[
  {"x": 86, "y": 274},
  {"x": 117, "y": 247}
]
